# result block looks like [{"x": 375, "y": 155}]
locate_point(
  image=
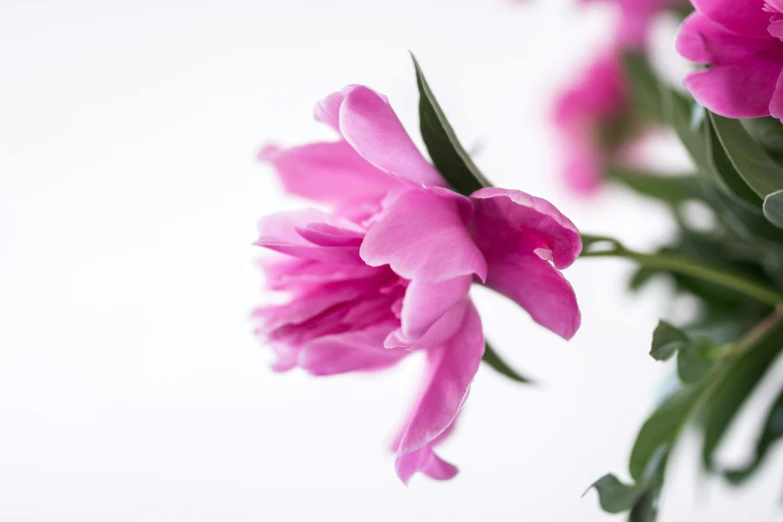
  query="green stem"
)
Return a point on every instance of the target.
[{"x": 691, "y": 268}]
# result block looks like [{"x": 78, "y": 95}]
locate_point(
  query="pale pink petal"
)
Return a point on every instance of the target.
[
  {"x": 508, "y": 223},
  {"x": 281, "y": 232},
  {"x": 329, "y": 172},
  {"x": 539, "y": 288},
  {"x": 776, "y": 105},
  {"x": 443, "y": 329},
  {"x": 370, "y": 125},
  {"x": 423, "y": 236},
  {"x": 426, "y": 302},
  {"x": 742, "y": 17},
  {"x": 701, "y": 40},
  {"x": 743, "y": 89},
  {"x": 450, "y": 370},
  {"x": 424, "y": 460},
  {"x": 350, "y": 351}
]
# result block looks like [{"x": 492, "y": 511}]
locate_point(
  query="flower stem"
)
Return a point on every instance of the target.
[{"x": 727, "y": 279}]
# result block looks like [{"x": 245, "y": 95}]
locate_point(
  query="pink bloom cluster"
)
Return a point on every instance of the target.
[
  {"x": 742, "y": 40},
  {"x": 583, "y": 113},
  {"x": 386, "y": 271},
  {"x": 588, "y": 113}
]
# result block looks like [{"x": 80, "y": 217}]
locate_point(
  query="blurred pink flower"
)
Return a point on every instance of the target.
[
  {"x": 586, "y": 115},
  {"x": 742, "y": 41},
  {"x": 387, "y": 270}
]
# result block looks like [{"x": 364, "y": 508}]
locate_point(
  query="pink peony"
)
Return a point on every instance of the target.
[
  {"x": 742, "y": 42},
  {"x": 387, "y": 270},
  {"x": 586, "y": 116}
]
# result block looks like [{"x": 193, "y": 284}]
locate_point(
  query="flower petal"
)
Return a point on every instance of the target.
[
  {"x": 424, "y": 460},
  {"x": 539, "y": 288},
  {"x": 370, "y": 125},
  {"x": 423, "y": 235},
  {"x": 510, "y": 223},
  {"x": 450, "y": 370},
  {"x": 776, "y": 105},
  {"x": 426, "y": 302},
  {"x": 328, "y": 172},
  {"x": 701, "y": 40},
  {"x": 350, "y": 351},
  {"x": 741, "y": 17},
  {"x": 742, "y": 89}
]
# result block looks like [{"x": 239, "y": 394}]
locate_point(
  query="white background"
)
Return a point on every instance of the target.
[{"x": 131, "y": 388}]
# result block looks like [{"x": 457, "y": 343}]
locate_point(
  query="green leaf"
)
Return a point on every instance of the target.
[
  {"x": 773, "y": 208},
  {"x": 735, "y": 386},
  {"x": 644, "y": 85},
  {"x": 662, "y": 429},
  {"x": 592, "y": 243},
  {"x": 772, "y": 431},
  {"x": 747, "y": 156},
  {"x": 669, "y": 189},
  {"x": 694, "y": 362},
  {"x": 614, "y": 496},
  {"x": 726, "y": 176},
  {"x": 667, "y": 339},
  {"x": 768, "y": 132},
  {"x": 446, "y": 152},
  {"x": 678, "y": 114},
  {"x": 492, "y": 359}
]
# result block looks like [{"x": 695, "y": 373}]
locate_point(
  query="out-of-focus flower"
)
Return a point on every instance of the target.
[
  {"x": 742, "y": 41},
  {"x": 591, "y": 120},
  {"x": 387, "y": 270}
]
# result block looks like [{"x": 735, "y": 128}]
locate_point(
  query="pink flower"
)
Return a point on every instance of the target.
[
  {"x": 741, "y": 40},
  {"x": 386, "y": 272},
  {"x": 587, "y": 114}
]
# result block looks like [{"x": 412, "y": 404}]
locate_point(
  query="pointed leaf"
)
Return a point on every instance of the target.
[
  {"x": 446, "y": 152},
  {"x": 495, "y": 362},
  {"x": 773, "y": 208},
  {"x": 614, "y": 496},
  {"x": 667, "y": 339}
]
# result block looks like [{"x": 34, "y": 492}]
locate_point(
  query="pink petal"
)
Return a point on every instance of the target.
[
  {"x": 701, "y": 40},
  {"x": 350, "y": 351},
  {"x": 743, "y": 89},
  {"x": 450, "y": 370},
  {"x": 423, "y": 235},
  {"x": 741, "y": 17},
  {"x": 369, "y": 124},
  {"x": 443, "y": 329},
  {"x": 281, "y": 232},
  {"x": 776, "y": 105},
  {"x": 508, "y": 223},
  {"x": 426, "y": 302},
  {"x": 329, "y": 172},
  {"x": 539, "y": 288},
  {"x": 424, "y": 460}
]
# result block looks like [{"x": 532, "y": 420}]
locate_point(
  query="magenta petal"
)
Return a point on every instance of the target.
[
  {"x": 327, "y": 110},
  {"x": 423, "y": 236},
  {"x": 740, "y": 90},
  {"x": 349, "y": 351},
  {"x": 743, "y": 17},
  {"x": 510, "y": 223},
  {"x": 540, "y": 289},
  {"x": 450, "y": 370},
  {"x": 329, "y": 172},
  {"x": 424, "y": 460},
  {"x": 370, "y": 125},
  {"x": 776, "y": 105},
  {"x": 701, "y": 40},
  {"x": 426, "y": 302}
]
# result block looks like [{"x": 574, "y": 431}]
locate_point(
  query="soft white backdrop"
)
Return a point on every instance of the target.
[{"x": 131, "y": 388}]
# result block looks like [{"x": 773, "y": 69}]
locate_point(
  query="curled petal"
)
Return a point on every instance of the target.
[
  {"x": 370, "y": 125},
  {"x": 510, "y": 223},
  {"x": 426, "y": 302},
  {"x": 701, "y": 40},
  {"x": 424, "y": 460},
  {"x": 539, "y": 288}
]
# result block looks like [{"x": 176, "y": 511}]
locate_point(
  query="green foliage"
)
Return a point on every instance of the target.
[
  {"x": 493, "y": 360},
  {"x": 445, "y": 150}
]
